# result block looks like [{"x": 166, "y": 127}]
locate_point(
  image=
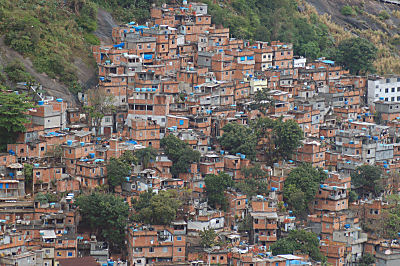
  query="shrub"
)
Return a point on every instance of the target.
[
  {"x": 383, "y": 15},
  {"x": 347, "y": 11},
  {"x": 16, "y": 72},
  {"x": 92, "y": 39}
]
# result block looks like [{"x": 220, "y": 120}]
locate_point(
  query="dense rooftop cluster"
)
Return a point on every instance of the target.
[{"x": 196, "y": 148}]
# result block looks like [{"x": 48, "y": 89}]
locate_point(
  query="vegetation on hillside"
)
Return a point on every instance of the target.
[
  {"x": 270, "y": 20},
  {"x": 51, "y": 33}
]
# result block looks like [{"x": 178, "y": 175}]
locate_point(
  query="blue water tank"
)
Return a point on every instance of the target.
[
  {"x": 222, "y": 152},
  {"x": 69, "y": 142},
  {"x": 242, "y": 156},
  {"x": 82, "y": 143},
  {"x": 274, "y": 189},
  {"x": 36, "y": 165},
  {"x": 40, "y": 102},
  {"x": 91, "y": 155},
  {"x": 322, "y": 137},
  {"x": 59, "y": 100}
]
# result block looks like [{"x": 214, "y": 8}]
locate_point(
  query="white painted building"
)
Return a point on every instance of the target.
[{"x": 387, "y": 89}]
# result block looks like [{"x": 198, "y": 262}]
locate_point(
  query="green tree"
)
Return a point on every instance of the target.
[
  {"x": 180, "y": 153},
  {"x": 300, "y": 187},
  {"x": 157, "y": 209},
  {"x": 28, "y": 173},
  {"x": 366, "y": 179},
  {"x": 255, "y": 181},
  {"x": 353, "y": 196},
  {"x": 146, "y": 155},
  {"x": 367, "y": 259},
  {"x": 215, "y": 188},
  {"x": 117, "y": 171},
  {"x": 13, "y": 109},
  {"x": 388, "y": 226},
  {"x": 299, "y": 240},
  {"x": 129, "y": 157},
  {"x": 239, "y": 139},
  {"x": 106, "y": 215},
  {"x": 262, "y": 101},
  {"x": 280, "y": 139},
  {"x": 100, "y": 103},
  {"x": 208, "y": 237},
  {"x": 357, "y": 55},
  {"x": 311, "y": 50}
]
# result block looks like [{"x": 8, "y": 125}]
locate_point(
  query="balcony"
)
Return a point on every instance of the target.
[{"x": 337, "y": 196}]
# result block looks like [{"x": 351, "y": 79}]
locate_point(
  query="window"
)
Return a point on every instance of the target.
[
  {"x": 151, "y": 249},
  {"x": 58, "y": 254},
  {"x": 139, "y": 46},
  {"x": 179, "y": 249},
  {"x": 165, "y": 249},
  {"x": 386, "y": 90},
  {"x": 137, "y": 250},
  {"x": 178, "y": 238},
  {"x": 393, "y": 89},
  {"x": 256, "y": 221},
  {"x": 69, "y": 254}
]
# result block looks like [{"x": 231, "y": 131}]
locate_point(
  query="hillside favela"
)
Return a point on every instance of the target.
[{"x": 243, "y": 133}]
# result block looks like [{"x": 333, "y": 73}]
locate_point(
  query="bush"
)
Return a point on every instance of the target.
[
  {"x": 348, "y": 11},
  {"x": 383, "y": 15},
  {"x": 16, "y": 72},
  {"x": 92, "y": 39}
]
